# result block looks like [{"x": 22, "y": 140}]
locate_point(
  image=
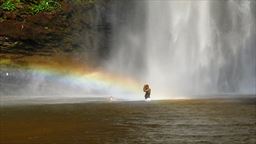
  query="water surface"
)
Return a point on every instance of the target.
[{"x": 179, "y": 121}]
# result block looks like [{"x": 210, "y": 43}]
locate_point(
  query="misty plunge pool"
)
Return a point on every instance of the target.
[{"x": 177, "y": 121}]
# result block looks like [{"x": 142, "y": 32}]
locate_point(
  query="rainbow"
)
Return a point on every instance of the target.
[{"x": 87, "y": 81}]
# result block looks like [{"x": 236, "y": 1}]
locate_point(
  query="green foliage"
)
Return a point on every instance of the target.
[
  {"x": 8, "y": 5},
  {"x": 45, "y": 5}
]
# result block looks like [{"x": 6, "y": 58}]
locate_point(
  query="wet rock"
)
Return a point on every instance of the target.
[
  {"x": 1, "y": 13},
  {"x": 75, "y": 29},
  {"x": 10, "y": 15}
]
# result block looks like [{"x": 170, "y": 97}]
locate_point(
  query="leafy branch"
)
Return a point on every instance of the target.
[
  {"x": 45, "y": 5},
  {"x": 9, "y": 5}
]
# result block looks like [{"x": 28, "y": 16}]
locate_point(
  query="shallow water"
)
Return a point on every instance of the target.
[{"x": 179, "y": 121}]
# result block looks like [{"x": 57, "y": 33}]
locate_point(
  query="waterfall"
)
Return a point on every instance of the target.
[{"x": 186, "y": 48}]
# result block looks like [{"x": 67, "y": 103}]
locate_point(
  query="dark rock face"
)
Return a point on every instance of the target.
[{"x": 81, "y": 30}]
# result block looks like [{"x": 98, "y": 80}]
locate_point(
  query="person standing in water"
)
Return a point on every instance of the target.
[{"x": 147, "y": 91}]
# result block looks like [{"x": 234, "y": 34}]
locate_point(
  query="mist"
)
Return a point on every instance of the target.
[{"x": 187, "y": 49}]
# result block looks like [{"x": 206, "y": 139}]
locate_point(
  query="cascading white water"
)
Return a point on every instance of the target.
[{"x": 189, "y": 47}]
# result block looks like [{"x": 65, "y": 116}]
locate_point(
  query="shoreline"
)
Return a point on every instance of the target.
[{"x": 41, "y": 101}]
